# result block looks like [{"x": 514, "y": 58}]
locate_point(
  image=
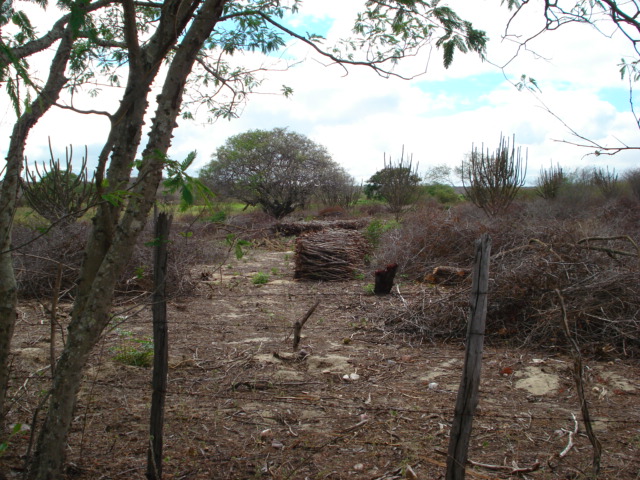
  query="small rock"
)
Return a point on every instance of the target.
[
  {"x": 433, "y": 385},
  {"x": 409, "y": 473},
  {"x": 358, "y": 467}
]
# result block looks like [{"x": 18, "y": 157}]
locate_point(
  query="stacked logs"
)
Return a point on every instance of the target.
[{"x": 331, "y": 255}]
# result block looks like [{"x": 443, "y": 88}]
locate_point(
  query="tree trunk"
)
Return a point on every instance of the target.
[
  {"x": 91, "y": 312},
  {"x": 384, "y": 279},
  {"x": 8, "y": 203}
]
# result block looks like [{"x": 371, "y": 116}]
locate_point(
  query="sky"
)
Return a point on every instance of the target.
[{"x": 437, "y": 118}]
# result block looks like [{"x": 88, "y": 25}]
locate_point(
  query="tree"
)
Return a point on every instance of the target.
[
  {"x": 439, "y": 174},
  {"x": 13, "y": 71},
  {"x": 275, "y": 169},
  {"x": 398, "y": 183},
  {"x": 491, "y": 181},
  {"x": 337, "y": 188},
  {"x": 188, "y": 40}
]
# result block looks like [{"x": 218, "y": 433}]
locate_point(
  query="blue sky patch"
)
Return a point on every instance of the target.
[
  {"x": 468, "y": 93},
  {"x": 306, "y": 24},
  {"x": 618, "y": 97}
]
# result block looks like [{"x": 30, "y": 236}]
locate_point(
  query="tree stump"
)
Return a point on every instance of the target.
[{"x": 384, "y": 279}]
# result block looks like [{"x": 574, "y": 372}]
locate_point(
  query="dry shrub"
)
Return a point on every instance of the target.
[
  {"x": 534, "y": 259},
  {"x": 426, "y": 239},
  {"x": 329, "y": 212},
  {"x": 252, "y": 225},
  {"x": 190, "y": 245},
  {"x": 331, "y": 254},
  {"x": 373, "y": 209},
  {"x": 37, "y": 256}
]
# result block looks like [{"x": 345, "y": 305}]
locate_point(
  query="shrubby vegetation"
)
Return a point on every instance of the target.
[
  {"x": 398, "y": 184},
  {"x": 444, "y": 194},
  {"x": 38, "y": 255}
]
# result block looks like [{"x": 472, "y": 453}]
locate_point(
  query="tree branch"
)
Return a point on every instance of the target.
[
  {"x": 373, "y": 64},
  {"x": 12, "y": 54}
]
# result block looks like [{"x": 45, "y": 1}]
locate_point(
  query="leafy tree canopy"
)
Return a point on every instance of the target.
[
  {"x": 383, "y": 180},
  {"x": 398, "y": 183},
  {"x": 275, "y": 169}
]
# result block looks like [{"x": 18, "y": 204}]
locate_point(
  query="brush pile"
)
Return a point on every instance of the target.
[
  {"x": 38, "y": 256},
  {"x": 533, "y": 268},
  {"x": 331, "y": 255}
]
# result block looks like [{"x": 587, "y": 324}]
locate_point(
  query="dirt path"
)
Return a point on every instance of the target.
[{"x": 356, "y": 402}]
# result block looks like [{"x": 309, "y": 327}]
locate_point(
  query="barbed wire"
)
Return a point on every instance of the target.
[{"x": 328, "y": 401}]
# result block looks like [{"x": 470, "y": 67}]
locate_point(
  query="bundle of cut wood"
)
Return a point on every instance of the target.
[{"x": 331, "y": 254}]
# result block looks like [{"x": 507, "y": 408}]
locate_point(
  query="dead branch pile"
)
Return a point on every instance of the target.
[
  {"x": 598, "y": 278},
  {"x": 298, "y": 228},
  {"x": 37, "y": 255},
  {"x": 448, "y": 275},
  {"x": 331, "y": 255},
  {"x": 537, "y": 249}
]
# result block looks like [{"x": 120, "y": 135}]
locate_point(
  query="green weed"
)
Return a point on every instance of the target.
[
  {"x": 260, "y": 278},
  {"x": 135, "y": 352},
  {"x": 377, "y": 228}
]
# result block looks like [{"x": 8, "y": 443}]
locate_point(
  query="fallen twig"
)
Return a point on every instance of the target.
[
  {"x": 511, "y": 470},
  {"x": 356, "y": 426},
  {"x": 297, "y": 327},
  {"x": 566, "y": 450}
]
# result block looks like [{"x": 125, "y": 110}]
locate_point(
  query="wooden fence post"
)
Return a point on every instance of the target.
[
  {"x": 467, "y": 399},
  {"x": 160, "y": 348}
]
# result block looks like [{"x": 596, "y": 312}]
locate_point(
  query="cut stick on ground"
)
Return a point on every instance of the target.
[
  {"x": 569, "y": 446},
  {"x": 297, "y": 327},
  {"x": 511, "y": 470}
]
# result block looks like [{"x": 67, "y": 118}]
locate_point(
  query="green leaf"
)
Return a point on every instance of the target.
[{"x": 116, "y": 197}]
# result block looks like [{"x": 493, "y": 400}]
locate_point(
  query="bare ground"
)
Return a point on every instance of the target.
[{"x": 358, "y": 402}]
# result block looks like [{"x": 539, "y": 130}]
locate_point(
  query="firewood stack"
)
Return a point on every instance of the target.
[{"x": 331, "y": 255}]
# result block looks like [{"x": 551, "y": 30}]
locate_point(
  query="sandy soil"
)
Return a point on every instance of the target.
[{"x": 356, "y": 402}]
